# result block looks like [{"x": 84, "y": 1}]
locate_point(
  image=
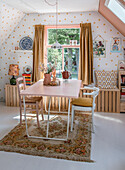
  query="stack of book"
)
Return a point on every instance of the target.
[
  {"x": 28, "y": 79},
  {"x": 123, "y": 87},
  {"x": 123, "y": 80},
  {"x": 123, "y": 93}
]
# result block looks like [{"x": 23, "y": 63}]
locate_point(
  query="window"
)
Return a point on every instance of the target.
[
  {"x": 66, "y": 58},
  {"x": 117, "y": 8}
]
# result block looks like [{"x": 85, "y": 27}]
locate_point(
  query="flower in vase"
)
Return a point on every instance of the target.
[{"x": 48, "y": 69}]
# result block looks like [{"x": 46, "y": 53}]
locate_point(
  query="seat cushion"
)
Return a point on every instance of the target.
[
  {"x": 85, "y": 102},
  {"x": 32, "y": 99}
]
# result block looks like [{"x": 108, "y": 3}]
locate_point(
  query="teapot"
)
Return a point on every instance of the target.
[{"x": 65, "y": 74}]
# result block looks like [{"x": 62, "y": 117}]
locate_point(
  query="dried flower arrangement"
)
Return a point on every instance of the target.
[{"x": 48, "y": 69}]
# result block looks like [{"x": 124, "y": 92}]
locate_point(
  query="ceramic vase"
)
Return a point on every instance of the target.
[
  {"x": 47, "y": 79},
  {"x": 65, "y": 74}
]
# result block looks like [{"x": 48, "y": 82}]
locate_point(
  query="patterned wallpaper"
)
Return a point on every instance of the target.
[
  {"x": 99, "y": 26},
  {"x": 10, "y": 18}
]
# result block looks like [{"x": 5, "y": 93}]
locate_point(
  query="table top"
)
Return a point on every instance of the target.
[{"x": 68, "y": 88}]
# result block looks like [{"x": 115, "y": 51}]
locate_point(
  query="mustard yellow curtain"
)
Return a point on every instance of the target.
[
  {"x": 86, "y": 54},
  {"x": 38, "y": 52}
]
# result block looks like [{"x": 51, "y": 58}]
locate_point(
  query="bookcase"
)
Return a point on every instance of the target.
[{"x": 122, "y": 90}]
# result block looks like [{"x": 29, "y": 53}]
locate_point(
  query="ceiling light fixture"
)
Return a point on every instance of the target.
[{"x": 56, "y": 45}]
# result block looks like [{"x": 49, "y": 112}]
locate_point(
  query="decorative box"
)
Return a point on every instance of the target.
[{"x": 28, "y": 79}]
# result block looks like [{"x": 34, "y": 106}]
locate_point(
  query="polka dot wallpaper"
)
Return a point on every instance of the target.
[
  {"x": 10, "y": 18},
  {"x": 26, "y": 28}
]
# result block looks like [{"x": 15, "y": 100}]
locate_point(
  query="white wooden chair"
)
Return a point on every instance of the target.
[
  {"x": 29, "y": 101},
  {"x": 85, "y": 104}
]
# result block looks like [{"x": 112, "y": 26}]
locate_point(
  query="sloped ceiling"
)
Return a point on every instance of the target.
[
  {"x": 10, "y": 18},
  {"x": 39, "y": 6},
  {"x": 111, "y": 17}
]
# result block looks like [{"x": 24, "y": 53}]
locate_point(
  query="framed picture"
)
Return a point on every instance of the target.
[
  {"x": 116, "y": 45},
  {"x": 99, "y": 48},
  {"x": 121, "y": 65}
]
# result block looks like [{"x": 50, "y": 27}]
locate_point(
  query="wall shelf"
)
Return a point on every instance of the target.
[{"x": 22, "y": 51}]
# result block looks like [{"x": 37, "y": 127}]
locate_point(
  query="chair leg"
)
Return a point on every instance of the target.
[
  {"x": 59, "y": 104},
  {"x": 92, "y": 120},
  {"x": 37, "y": 114},
  {"x": 20, "y": 114},
  {"x": 72, "y": 118},
  {"x": 42, "y": 110}
]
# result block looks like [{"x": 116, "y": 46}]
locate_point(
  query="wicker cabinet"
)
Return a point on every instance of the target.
[{"x": 11, "y": 95}]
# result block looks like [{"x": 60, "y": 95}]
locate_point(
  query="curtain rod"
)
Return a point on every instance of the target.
[{"x": 59, "y": 25}]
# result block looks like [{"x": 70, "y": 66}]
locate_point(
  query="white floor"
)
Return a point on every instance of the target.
[{"x": 108, "y": 146}]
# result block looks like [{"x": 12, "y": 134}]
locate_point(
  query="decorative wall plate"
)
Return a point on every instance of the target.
[
  {"x": 26, "y": 43},
  {"x": 27, "y": 69}
]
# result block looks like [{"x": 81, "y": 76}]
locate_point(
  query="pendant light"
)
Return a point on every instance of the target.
[{"x": 56, "y": 45}]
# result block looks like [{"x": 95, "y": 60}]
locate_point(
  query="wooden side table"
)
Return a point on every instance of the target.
[{"x": 11, "y": 95}]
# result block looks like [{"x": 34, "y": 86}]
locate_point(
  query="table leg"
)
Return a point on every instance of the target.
[
  {"x": 48, "y": 117},
  {"x": 54, "y": 111},
  {"x": 37, "y": 137},
  {"x": 59, "y": 104},
  {"x": 68, "y": 118},
  {"x": 45, "y": 105},
  {"x": 24, "y": 105}
]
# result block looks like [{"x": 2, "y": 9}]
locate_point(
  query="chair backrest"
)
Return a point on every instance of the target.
[
  {"x": 94, "y": 93},
  {"x": 21, "y": 85}
]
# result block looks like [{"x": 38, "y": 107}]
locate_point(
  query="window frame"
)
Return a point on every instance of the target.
[
  {"x": 63, "y": 46},
  {"x": 117, "y": 9}
]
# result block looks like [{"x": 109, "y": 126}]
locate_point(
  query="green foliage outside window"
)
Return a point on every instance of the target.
[
  {"x": 71, "y": 55},
  {"x": 63, "y": 36},
  {"x": 55, "y": 57}
]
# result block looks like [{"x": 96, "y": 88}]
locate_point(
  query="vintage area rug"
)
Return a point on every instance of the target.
[{"x": 77, "y": 148}]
